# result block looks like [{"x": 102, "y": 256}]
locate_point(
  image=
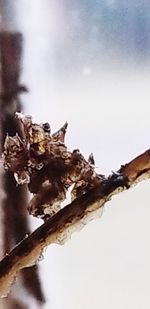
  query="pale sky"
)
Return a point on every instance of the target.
[{"x": 106, "y": 265}]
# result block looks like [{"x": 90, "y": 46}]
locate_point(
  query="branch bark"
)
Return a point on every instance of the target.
[{"x": 71, "y": 218}]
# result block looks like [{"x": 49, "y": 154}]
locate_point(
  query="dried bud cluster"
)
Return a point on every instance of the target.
[{"x": 42, "y": 160}]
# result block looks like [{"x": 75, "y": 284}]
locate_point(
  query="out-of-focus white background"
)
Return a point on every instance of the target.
[{"x": 88, "y": 62}]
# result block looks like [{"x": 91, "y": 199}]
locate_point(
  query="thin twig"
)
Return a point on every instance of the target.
[{"x": 70, "y": 218}]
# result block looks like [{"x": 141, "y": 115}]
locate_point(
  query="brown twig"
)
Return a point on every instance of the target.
[{"x": 75, "y": 215}]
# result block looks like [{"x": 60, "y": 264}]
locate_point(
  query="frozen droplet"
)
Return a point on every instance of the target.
[
  {"x": 22, "y": 177},
  {"x": 16, "y": 177},
  {"x": 41, "y": 257},
  {"x": 39, "y": 166}
]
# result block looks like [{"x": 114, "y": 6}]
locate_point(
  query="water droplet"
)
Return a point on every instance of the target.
[{"x": 39, "y": 166}]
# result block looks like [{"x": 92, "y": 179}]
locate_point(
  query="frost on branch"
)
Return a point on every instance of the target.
[{"x": 42, "y": 160}]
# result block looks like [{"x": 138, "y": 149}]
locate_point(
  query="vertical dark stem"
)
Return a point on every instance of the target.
[{"x": 14, "y": 205}]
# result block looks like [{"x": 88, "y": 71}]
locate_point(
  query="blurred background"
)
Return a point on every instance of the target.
[{"x": 88, "y": 62}]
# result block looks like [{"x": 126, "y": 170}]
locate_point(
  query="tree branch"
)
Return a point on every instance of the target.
[{"x": 72, "y": 217}]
